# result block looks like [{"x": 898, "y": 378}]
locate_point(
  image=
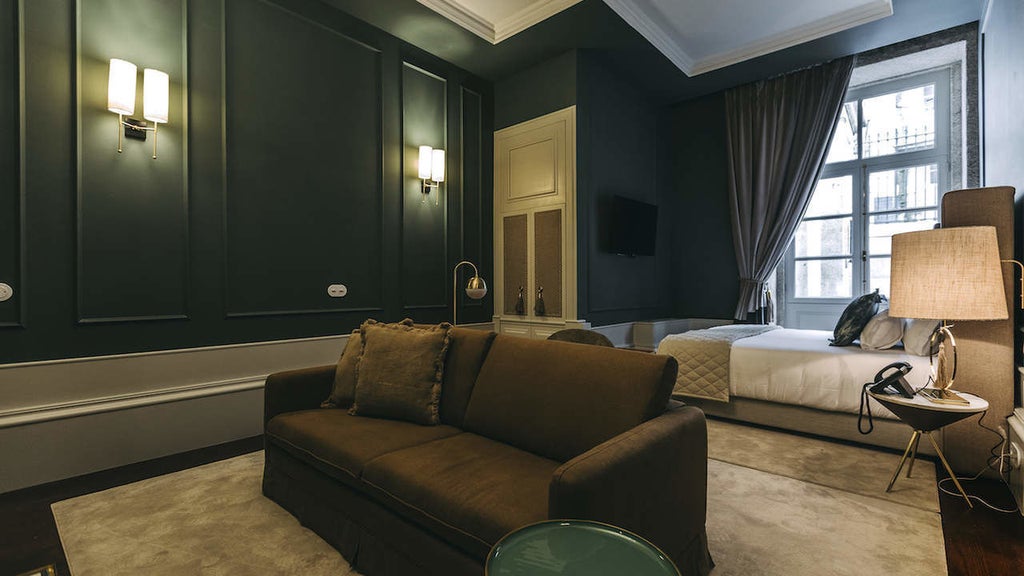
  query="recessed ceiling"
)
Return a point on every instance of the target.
[
  {"x": 496, "y": 20},
  {"x": 696, "y": 35},
  {"x": 699, "y": 36}
]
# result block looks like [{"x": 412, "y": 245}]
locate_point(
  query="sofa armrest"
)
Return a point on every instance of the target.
[
  {"x": 295, "y": 390},
  {"x": 651, "y": 480}
]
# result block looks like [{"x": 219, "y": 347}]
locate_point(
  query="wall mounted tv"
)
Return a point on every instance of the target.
[{"x": 633, "y": 227}]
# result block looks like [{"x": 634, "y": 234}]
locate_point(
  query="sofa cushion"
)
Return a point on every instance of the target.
[
  {"x": 342, "y": 444},
  {"x": 467, "y": 349},
  {"x": 399, "y": 373},
  {"x": 559, "y": 399},
  {"x": 469, "y": 490},
  {"x": 345, "y": 374}
]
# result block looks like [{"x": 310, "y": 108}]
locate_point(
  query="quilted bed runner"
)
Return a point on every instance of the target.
[{"x": 703, "y": 357}]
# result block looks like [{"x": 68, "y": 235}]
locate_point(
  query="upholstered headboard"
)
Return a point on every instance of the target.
[{"x": 985, "y": 349}]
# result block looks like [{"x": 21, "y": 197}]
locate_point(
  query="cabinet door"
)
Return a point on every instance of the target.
[
  {"x": 515, "y": 262},
  {"x": 547, "y": 259},
  {"x": 534, "y": 162}
]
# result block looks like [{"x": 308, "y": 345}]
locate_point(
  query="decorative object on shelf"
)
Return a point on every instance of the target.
[
  {"x": 476, "y": 288},
  {"x": 520, "y": 303},
  {"x": 947, "y": 274},
  {"x": 431, "y": 171},
  {"x": 538, "y": 308},
  {"x": 121, "y": 84}
]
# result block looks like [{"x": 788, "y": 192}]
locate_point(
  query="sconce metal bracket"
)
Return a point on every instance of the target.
[{"x": 135, "y": 129}]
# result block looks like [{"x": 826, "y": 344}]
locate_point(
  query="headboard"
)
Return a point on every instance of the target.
[{"x": 985, "y": 359}]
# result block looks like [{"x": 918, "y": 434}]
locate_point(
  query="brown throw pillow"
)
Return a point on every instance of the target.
[
  {"x": 400, "y": 370},
  {"x": 345, "y": 374}
]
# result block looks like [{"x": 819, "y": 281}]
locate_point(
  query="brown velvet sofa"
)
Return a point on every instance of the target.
[{"x": 530, "y": 430}]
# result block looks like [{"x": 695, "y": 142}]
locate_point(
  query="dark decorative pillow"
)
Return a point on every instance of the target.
[
  {"x": 855, "y": 318},
  {"x": 400, "y": 370},
  {"x": 345, "y": 374}
]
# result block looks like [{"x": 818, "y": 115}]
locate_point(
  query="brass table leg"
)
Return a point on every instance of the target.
[
  {"x": 913, "y": 439},
  {"x": 913, "y": 454},
  {"x": 950, "y": 471}
]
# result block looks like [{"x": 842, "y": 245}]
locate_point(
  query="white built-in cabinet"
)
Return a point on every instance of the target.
[{"x": 535, "y": 225}]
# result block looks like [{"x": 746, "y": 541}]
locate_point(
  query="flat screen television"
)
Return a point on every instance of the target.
[{"x": 633, "y": 227}]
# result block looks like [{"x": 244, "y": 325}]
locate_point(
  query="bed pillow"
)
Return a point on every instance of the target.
[
  {"x": 881, "y": 332},
  {"x": 854, "y": 318},
  {"x": 400, "y": 370},
  {"x": 917, "y": 336},
  {"x": 345, "y": 374}
]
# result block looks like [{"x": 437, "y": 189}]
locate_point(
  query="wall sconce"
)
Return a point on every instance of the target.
[
  {"x": 121, "y": 100},
  {"x": 431, "y": 171}
]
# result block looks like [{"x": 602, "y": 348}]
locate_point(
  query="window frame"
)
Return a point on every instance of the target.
[{"x": 860, "y": 169}]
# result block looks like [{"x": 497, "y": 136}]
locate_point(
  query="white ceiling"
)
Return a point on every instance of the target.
[{"x": 696, "y": 35}]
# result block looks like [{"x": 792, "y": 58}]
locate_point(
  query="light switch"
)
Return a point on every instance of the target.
[
  {"x": 337, "y": 290},
  {"x": 6, "y": 292}
]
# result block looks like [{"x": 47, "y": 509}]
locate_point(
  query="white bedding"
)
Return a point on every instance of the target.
[{"x": 799, "y": 367}]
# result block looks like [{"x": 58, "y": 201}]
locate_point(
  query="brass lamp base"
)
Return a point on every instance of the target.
[{"x": 944, "y": 370}]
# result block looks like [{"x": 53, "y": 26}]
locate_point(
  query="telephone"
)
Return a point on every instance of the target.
[{"x": 894, "y": 380}]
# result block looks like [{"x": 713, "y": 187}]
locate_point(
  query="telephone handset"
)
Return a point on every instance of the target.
[{"x": 893, "y": 380}]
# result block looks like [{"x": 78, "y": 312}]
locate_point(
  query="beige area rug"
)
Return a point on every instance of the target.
[{"x": 778, "y": 504}]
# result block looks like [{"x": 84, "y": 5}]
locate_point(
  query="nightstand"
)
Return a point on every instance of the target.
[{"x": 925, "y": 416}]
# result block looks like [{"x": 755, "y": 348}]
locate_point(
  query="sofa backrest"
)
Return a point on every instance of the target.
[
  {"x": 560, "y": 399},
  {"x": 467, "y": 349}
]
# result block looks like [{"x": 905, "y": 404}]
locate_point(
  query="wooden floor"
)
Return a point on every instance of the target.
[{"x": 979, "y": 542}]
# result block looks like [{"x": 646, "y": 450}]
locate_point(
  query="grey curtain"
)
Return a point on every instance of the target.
[{"x": 778, "y": 134}]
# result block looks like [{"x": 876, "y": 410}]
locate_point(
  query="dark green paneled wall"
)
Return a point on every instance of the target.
[
  {"x": 536, "y": 91},
  {"x": 619, "y": 152},
  {"x": 10, "y": 201},
  {"x": 285, "y": 167}
]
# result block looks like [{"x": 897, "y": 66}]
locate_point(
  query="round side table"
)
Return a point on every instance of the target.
[
  {"x": 925, "y": 416},
  {"x": 576, "y": 547}
]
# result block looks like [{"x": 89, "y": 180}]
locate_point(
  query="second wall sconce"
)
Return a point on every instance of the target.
[
  {"x": 431, "y": 171},
  {"x": 121, "y": 100}
]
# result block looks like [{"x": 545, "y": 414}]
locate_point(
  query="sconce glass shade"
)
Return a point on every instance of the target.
[
  {"x": 425, "y": 159},
  {"x": 437, "y": 166},
  {"x": 121, "y": 87},
  {"x": 155, "y": 94},
  {"x": 476, "y": 288}
]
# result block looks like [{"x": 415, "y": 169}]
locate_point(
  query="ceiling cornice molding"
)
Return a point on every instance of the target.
[
  {"x": 456, "y": 12},
  {"x": 813, "y": 31},
  {"x": 538, "y": 12},
  {"x": 494, "y": 32},
  {"x": 642, "y": 21}
]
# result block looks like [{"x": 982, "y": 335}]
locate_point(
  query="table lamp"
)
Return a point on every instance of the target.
[
  {"x": 947, "y": 274},
  {"x": 476, "y": 288}
]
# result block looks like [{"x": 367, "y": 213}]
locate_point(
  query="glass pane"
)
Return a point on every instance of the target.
[
  {"x": 844, "y": 142},
  {"x": 903, "y": 188},
  {"x": 898, "y": 122},
  {"x": 878, "y": 268},
  {"x": 824, "y": 278},
  {"x": 830, "y": 237},
  {"x": 832, "y": 196},
  {"x": 881, "y": 227}
]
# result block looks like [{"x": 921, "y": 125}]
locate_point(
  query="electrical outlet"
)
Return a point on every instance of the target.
[
  {"x": 337, "y": 290},
  {"x": 6, "y": 292}
]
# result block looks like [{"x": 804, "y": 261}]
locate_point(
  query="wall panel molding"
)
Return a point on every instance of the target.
[
  {"x": 339, "y": 257},
  {"x": 132, "y": 260},
  {"x": 12, "y": 312},
  {"x": 424, "y": 257}
]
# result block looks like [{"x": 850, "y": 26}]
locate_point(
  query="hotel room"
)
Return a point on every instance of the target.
[{"x": 403, "y": 287}]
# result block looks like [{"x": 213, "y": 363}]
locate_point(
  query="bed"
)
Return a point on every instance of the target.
[{"x": 787, "y": 378}]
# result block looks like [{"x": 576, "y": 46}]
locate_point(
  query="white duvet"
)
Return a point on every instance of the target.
[{"x": 799, "y": 367}]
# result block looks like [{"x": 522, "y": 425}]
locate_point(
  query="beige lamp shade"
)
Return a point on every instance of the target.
[
  {"x": 947, "y": 274},
  {"x": 121, "y": 87},
  {"x": 155, "y": 93}
]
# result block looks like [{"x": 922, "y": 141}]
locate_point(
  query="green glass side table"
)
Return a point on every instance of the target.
[{"x": 576, "y": 547}]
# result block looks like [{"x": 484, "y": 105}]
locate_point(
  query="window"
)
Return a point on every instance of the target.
[{"x": 886, "y": 165}]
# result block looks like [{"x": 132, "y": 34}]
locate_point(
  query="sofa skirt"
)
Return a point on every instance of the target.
[{"x": 374, "y": 540}]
